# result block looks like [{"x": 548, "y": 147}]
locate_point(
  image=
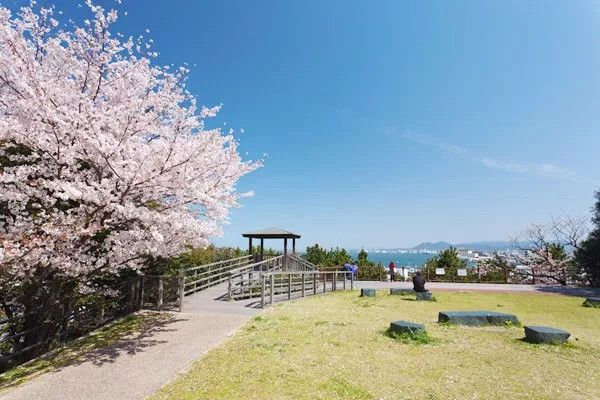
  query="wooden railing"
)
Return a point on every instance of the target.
[
  {"x": 295, "y": 263},
  {"x": 283, "y": 285},
  {"x": 204, "y": 276}
]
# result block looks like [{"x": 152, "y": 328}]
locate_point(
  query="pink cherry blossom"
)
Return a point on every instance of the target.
[{"x": 104, "y": 156}]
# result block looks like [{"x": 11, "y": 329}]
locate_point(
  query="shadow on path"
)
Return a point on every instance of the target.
[{"x": 128, "y": 336}]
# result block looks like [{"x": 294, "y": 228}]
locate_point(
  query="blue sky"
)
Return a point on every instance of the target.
[{"x": 389, "y": 123}]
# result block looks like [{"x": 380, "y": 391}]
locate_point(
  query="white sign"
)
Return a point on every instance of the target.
[
  {"x": 440, "y": 271},
  {"x": 461, "y": 272}
]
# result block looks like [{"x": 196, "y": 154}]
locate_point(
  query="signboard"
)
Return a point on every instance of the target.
[
  {"x": 461, "y": 272},
  {"x": 440, "y": 271}
]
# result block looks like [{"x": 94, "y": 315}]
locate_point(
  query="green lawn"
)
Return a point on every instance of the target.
[{"x": 335, "y": 347}]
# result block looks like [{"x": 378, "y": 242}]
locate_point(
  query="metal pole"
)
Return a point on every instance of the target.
[
  {"x": 345, "y": 276},
  {"x": 324, "y": 282},
  {"x": 352, "y": 280},
  {"x": 334, "y": 281}
]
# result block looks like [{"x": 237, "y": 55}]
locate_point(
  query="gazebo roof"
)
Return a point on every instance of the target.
[{"x": 271, "y": 233}]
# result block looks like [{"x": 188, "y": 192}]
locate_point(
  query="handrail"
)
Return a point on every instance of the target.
[
  {"x": 202, "y": 280},
  {"x": 272, "y": 283},
  {"x": 248, "y": 257}
]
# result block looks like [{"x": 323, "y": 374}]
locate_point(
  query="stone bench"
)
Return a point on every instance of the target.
[
  {"x": 424, "y": 296},
  {"x": 592, "y": 302},
  {"x": 406, "y": 327},
  {"x": 545, "y": 334},
  {"x": 477, "y": 318},
  {"x": 367, "y": 292},
  {"x": 401, "y": 291}
]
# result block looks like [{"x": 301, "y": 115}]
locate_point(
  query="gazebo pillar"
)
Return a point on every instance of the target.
[
  {"x": 294, "y": 245},
  {"x": 250, "y": 246},
  {"x": 284, "y": 252},
  {"x": 262, "y": 249}
]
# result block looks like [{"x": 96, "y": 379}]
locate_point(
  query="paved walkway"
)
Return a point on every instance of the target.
[
  {"x": 493, "y": 287},
  {"x": 138, "y": 366},
  {"x": 134, "y": 368}
]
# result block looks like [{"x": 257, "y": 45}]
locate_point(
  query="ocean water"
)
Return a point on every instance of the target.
[{"x": 400, "y": 259}]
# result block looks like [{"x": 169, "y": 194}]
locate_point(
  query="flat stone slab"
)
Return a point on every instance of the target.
[
  {"x": 424, "y": 296},
  {"x": 545, "y": 334},
  {"x": 401, "y": 291},
  {"x": 477, "y": 318},
  {"x": 369, "y": 292},
  {"x": 406, "y": 327},
  {"x": 592, "y": 302}
]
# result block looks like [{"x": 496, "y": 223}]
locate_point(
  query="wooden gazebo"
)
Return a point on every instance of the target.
[{"x": 271, "y": 233}]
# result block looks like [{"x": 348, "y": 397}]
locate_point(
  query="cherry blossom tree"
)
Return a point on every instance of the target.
[
  {"x": 547, "y": 249},
  {"x": 105, "y": 157}
]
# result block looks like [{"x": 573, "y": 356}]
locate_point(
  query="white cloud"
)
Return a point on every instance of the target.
[{"x": 543, "y": 169}]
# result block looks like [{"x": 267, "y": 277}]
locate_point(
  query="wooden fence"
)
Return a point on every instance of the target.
[{"x": 283, "y": 285}]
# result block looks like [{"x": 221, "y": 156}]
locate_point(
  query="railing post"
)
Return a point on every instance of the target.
[
  {"x": 303, "y": 283},
  {"x": 324, "y": 282},
  {"x": 289, "y": 286},
  {"x": 315, "y": 283},
  {"x": 272, "y": 288},
  {"x": 352, "y": 280},
  {"x": 345, "y": 276},
  {"x": 181, "y": 291},
  {"x": 195, "y": 280},
  {"x": 229, "y": 289},
  {"x": 334, "y": 282},
  {"x": 160, "y": 292},
  {"x": 262, "y": 291}
]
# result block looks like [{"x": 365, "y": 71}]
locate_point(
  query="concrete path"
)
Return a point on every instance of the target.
[{"x": 138, "y": 366}]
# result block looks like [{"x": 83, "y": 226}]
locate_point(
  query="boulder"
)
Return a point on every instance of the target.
[
  {"x": 406, "y": 327},
  {"x": 477, "y": 318},
  {"x": 592, "y": 302},
  {"x": 367, "y": 292},
  {"x": 401, "y": 291},
  {"x": 424, "y": 296},
  {"x": 545, "y": 334}
]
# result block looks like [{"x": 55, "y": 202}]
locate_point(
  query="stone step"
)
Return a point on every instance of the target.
[
  {"x": 367, "y": 292},
  {"x": 477, "y": 318},
  {"x": 406, "y": 327},
  {"x": 545, "y": 334}
]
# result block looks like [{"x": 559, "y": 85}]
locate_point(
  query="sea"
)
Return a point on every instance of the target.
[{"x": 400, "y": 259}]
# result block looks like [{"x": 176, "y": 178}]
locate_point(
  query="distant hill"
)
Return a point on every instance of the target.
[
  {"x": 432, "y": 246},
  {"x": 482, "y": 246}
]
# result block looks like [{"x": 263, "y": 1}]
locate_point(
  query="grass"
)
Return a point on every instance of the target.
[
  {"x": 335, "y": 347},
  {"x": 81, "y": 349}
]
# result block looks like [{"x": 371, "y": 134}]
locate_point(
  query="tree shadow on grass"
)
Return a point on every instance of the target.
[
  {"x": 127, "y": 336},
  {"x": 569, "y": 290}
]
